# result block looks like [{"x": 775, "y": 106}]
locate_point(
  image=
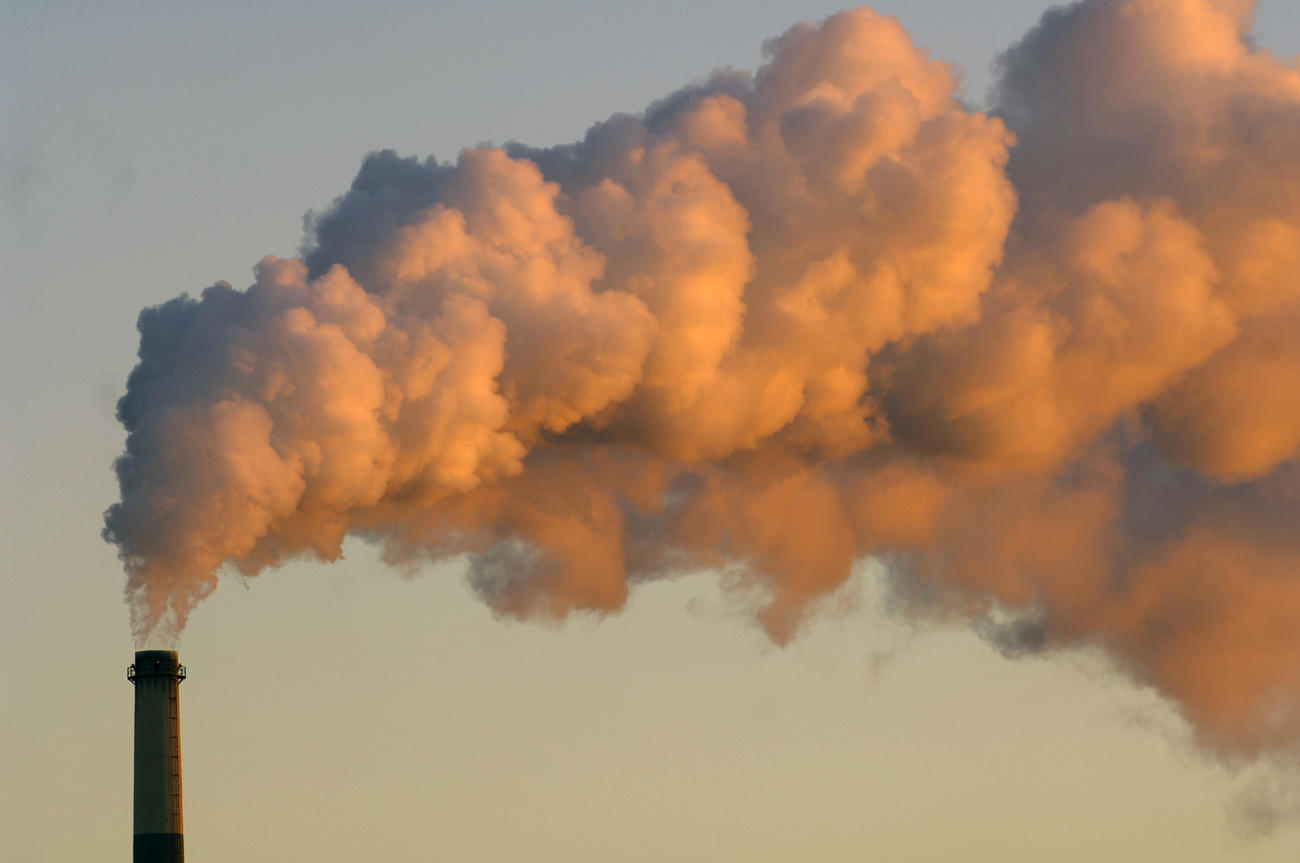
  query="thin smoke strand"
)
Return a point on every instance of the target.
[{"x": 1041, "y": 361}]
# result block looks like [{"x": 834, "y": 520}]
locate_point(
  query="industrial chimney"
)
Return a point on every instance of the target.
[{"x": 159, "y": 836}]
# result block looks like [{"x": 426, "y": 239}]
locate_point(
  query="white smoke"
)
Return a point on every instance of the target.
[{"x": 1044, "y": 359}]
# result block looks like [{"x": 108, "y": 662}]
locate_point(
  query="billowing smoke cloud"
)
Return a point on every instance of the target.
[{"x": 1044, "y": 363}]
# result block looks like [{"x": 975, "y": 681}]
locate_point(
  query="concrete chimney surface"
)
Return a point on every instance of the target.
[{"x": 159, "y": 828}]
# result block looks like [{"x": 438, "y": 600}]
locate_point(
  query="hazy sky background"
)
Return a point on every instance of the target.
[{"x": 348, "y": 712}]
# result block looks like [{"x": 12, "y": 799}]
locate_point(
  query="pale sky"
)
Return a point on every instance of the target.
[{"x": 347, "y": 711}]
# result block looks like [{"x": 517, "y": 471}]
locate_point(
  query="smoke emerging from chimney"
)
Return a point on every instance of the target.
[{"x": 1043, "y": 361}]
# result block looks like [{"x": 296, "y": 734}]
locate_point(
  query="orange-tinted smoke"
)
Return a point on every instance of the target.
[{"x": 1041, "y": 361}]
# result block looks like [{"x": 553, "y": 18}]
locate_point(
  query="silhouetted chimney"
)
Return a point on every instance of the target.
[{"x": 159, "y": 834}]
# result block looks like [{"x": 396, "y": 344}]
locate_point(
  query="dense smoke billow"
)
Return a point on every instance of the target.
[{"x": 1043, "y": 360}]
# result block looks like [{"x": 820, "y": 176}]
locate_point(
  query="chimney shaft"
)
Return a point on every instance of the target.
[{"x": 159, "y": 835}]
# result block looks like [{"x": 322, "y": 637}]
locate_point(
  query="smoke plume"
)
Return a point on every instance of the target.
[{"x": 1041, "y": 361}]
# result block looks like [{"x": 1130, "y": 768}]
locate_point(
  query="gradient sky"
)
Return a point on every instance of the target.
[{"x": 349, "y": 712}]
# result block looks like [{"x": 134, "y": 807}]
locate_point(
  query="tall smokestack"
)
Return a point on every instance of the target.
[{"x": 159, "y": 835}]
